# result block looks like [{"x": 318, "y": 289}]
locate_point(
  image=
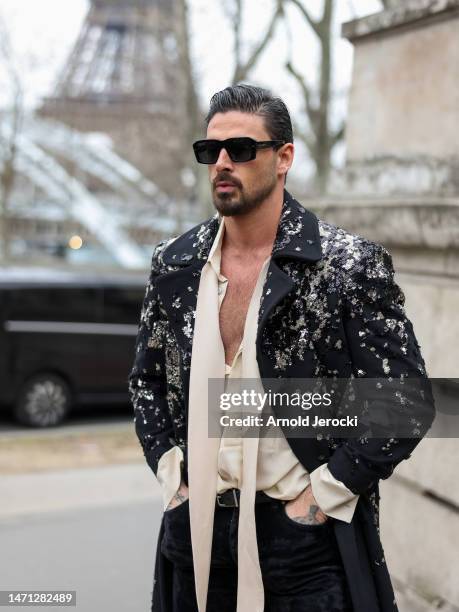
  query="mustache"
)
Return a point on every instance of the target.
[{"x": 227, "y": 178}]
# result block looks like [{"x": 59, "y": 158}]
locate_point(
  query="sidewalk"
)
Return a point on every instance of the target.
[
  {"x": 32, "y": 493},
  {"x": 68, "y": 448}
]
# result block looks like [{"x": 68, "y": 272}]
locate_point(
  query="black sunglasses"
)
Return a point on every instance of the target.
[{"x": 242, "y": 149}]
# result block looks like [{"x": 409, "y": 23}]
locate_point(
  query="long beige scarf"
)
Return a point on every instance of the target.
[{"x": 208, "y": 361}]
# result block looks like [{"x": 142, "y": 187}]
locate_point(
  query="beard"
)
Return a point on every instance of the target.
[{"x": 241, "y": 202}]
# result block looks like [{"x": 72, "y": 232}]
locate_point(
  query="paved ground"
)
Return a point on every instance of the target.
[
  {"x": 64, "y": 449},
  {"x": 31, "y": 494},
  {"x": 105, "y": 554},
  {"x": 90, "y": 530}
]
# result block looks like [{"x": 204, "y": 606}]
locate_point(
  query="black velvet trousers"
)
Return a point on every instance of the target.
[{"x": 300, "y": 564}]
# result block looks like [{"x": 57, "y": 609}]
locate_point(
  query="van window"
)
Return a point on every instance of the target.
[
  {"x": 123, "y": 305},
  {"x": 78, "y": 304}
]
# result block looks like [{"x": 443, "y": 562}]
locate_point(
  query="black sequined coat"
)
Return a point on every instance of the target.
[{"x": 330, "y": 307}]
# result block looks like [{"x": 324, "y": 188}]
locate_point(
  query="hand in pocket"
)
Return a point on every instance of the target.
[
  {"x": 304, "y": 509},
  {"x": 179, "y": 498}
]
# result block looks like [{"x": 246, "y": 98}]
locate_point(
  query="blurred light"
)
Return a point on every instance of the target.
[
  {"x": 75, "y": 242},
  {"x": 188, "y": 178}
]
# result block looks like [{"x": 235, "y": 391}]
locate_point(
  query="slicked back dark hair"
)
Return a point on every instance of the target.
[{"x": 250, "y": 99}]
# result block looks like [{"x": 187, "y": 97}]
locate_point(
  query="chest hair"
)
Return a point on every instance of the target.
[{"x": 233, "y": 311}]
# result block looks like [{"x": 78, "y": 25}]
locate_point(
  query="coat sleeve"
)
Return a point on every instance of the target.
[
  {"x": 147, "y": 379},
  {"x": 382, "y": 344}
]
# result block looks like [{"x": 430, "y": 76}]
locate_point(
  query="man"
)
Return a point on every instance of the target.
[{"x": 264, "y": 289}]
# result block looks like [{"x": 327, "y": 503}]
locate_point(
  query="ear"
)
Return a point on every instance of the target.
[{"x": 285, "y": 157}]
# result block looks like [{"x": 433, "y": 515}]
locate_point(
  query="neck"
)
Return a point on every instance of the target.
[{"x": 255, "y": 231}]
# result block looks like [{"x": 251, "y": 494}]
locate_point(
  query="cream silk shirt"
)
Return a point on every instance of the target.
[{"x": 278, "y": 472}]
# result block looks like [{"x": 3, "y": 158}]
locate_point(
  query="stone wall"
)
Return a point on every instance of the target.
[{"x": 401, "y": 188}]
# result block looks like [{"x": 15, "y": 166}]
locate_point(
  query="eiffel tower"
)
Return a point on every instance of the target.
[{"x": 126, "y": 77}]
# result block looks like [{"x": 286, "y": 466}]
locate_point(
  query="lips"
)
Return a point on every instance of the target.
[{"x": 225, "y": 187}]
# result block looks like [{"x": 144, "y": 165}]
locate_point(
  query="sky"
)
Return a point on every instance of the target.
[{"x": 42, "y": 34}]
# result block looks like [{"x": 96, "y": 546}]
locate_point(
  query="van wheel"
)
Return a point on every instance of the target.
[{"x": 44, "y": 401}]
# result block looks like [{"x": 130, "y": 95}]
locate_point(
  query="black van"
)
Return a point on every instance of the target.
[{"x": 65, "y": 339}]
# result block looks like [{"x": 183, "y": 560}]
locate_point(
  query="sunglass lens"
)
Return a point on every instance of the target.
[
  {"x": 240, "y": 151},
  {"x": 207, "y": 152}
]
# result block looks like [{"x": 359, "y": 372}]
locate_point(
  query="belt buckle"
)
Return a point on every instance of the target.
[{"x": 223, "y": 505}]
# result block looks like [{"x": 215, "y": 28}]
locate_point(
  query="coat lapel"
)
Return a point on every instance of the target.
[
  {"x": 297, "y": 238},
  {"x": 178, "y": 288}
]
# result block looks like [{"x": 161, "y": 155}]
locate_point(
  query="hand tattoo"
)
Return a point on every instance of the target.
[
  {"x": 311, "y": 518},
  {"x": 179, "y": 497}
]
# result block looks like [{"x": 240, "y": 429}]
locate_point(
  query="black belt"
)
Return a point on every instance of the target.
[{"x": 230, "y": 498}]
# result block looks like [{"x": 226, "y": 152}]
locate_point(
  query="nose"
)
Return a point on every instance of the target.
[{"x": 223, "y": 162}]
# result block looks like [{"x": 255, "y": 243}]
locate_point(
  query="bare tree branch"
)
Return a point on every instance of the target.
[
  {"x": 314, "y": 24},
  {"x": 8, "y": 136},
  {"x": 307, "y": 138},
  {"x": 237, "y": 31},
  {"x": 318, "y": 101},
  {"x": 233, "y": 11},
  {"x": 305, "y": 89},
  {"x": 338, "y": 135},
  {"x": 242, "y": 69},
  {"x": 195, "y": 115}
]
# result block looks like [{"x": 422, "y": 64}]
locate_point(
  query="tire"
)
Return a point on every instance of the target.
[{"x": 44, "y": 401}]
